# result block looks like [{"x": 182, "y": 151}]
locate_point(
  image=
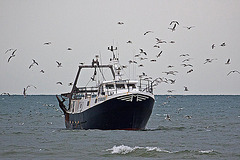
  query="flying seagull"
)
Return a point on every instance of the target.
[
  {"x": 159, "y": 54},
  {"x": 8, "y": 94},
  {"x": 190, "y": 71},
  {"x": 223, "y": 44},
  {"x": 34, "y": 62},
  {"x": 25, "y": 90},
  {"x": 121, "y": 23},
  {"x": 228, "y": 61},
  {"x": 183, "y": 55},
  {"x": 233, "y": 72},
  {"x": 174, "y": 22},
  {"x": 147, "y": 32},
  {"x": 59, "y": 83},
  {"x": 59, "y": 64},
  {"x": 9, "y": 50},
  {"x": 13, "y": 55},
  {"x": 185, "y": 88},
  {"x": 188, "y": 27},
  {"x": 142, "y": 51},
  {"x": 167, "y": 117},
  {"x": 47, "y": 43},
  {"x": 213, "y": 46},
  {"x": 160, "y": 41},
  {"x": 209, "y": 60}
]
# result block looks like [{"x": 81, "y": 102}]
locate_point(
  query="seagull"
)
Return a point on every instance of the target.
[
  {"x": 171, "y": 72},
  {"x": 8, "y": 94},
  {"x": 31, "y": 86},
  {"x": 179, "y": 109},
  {"x": 183, "y": 55},
  {"x": 9, "y": 50},
  {"x": 124, "y": 66},
  {"x": 172, "y": 81},
  {"x": 129, "y": 41},
  {"x": 209, "y": 60},
  {"x": 147, "y": 32},
  {"x": 69, "y": 49},
  {"x": 233, "y": 72},
  {"x": 153, "y": 60},
  {"x": 186, "y": 60},
  {"x": 157, "y": 46},
  {"x": 120, "y": 23},
  {"x": 141, "y": 65},
  {"x": 167, "y": 117},
  {"x": 185, "y": 88},
  {"x": 142, "y": 51},
  {"x": 132, "y": 61},
  {"x": 174, "y": 22},
  {"x": 59, "y": 64},
  {"x": 159, "y": 54},
  {"x": 34, "y": 62},
  {"x": 42, "y": 71},
  {"x": 47, "y": 43},
  {"x": 188, "y": 117},
  {"x": 170, "y": 91},
  {"x": 213, "y": 46},
  {"x": 59, "y": 83},
  {"x": 82, "y": 63},
  {"x": 141, "y": 58},
  {"x": 223, "y": 44},
  {"x": 228, "y": 61},
  {"x": 24, "y": 92},
  {"x": 160, "y": 41},
  {"x": 13, "y": 55},
  {"x": 170, "y": 66},
  {"x": 190, "y": 71},
  {"x": 188, "y": 27},
  {"x": 172, "y": 42},
  {"x": 186, "y": 65},
  {"x": 136, "y": 55}
]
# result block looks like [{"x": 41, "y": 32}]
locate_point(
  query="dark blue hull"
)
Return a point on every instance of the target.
[{"x": 113, "y": 114}]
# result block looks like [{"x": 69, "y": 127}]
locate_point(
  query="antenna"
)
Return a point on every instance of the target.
[{"x": 112, "y": 49}]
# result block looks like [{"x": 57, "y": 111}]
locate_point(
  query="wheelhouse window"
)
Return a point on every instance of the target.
[
  {"x": 109, "y": 86},
  {"x": 131, "y": 85},
  {"x": 120, "y": 86}
]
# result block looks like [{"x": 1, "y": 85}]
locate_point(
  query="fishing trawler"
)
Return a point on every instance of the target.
[{"x": 116, "y": 104}]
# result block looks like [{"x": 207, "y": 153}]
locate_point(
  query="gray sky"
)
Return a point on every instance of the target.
[{"x": 89, "y": 27}]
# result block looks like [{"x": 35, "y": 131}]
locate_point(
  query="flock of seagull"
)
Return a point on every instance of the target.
[
  {"x": 34, "y": 63},
  {"x": 141, "y": 56}
]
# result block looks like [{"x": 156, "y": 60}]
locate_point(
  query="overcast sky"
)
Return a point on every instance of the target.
[{"x": 90, "y": 26}]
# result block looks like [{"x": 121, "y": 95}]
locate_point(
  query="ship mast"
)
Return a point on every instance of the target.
[{"x": 116, "y": 66}]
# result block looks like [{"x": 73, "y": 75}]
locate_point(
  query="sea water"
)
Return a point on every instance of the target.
[{"x": 200, "y": 127}]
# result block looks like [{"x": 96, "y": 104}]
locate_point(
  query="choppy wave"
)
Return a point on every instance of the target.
[{"x": 122, "y": 149}]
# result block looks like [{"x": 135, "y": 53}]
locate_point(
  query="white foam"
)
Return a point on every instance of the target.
[
  {"x": 207, "y": 151},
  {"x": 156, "y": 149},
  {"x": 122, "y": 149}
]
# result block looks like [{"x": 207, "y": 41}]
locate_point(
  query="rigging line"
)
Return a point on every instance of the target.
[
  {"x": 88, "y": 82},
  {"x": 101, "y": 73},
  {"x": 92, "y": 78}
]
